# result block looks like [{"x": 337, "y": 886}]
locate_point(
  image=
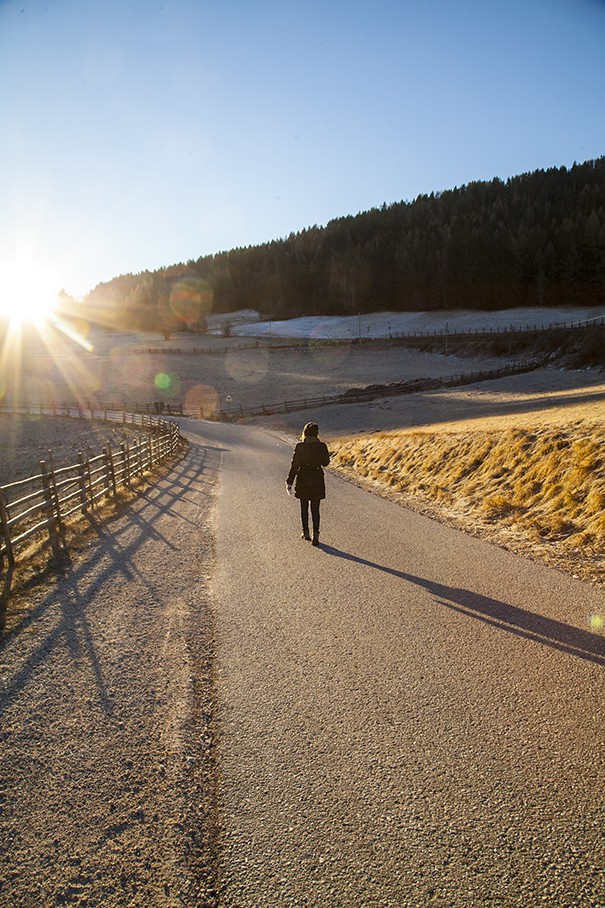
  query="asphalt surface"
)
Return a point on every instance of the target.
[{"x": 406, "y": 716}]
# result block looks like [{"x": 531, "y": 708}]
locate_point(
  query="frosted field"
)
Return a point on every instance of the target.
[
  {"x": 384, "y": 324},
  {"x": 238, "y": 378}
]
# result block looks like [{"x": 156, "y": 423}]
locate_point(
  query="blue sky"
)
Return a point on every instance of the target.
[{"x": 139, "y": 134}]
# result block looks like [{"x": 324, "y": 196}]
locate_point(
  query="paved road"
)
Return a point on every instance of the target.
[{"x": 407, "y": 716}]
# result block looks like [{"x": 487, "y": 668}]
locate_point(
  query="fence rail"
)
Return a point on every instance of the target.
[
  {"x": 110, "y": 411},
  {"x": 104, "y": 410},
  {"x": 490, "y": 331},
  {"x": 193, "y": 351},
  {"x": 284, "y": 342},
  {"x": 370, "y": 392},
  {"x": 42, "y": 503}
]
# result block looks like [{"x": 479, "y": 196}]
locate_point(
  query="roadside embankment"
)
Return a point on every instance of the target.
[{"x": 537, "y": 490}]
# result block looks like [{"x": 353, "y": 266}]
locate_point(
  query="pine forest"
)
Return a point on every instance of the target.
[{"x": 537, "y": 239}]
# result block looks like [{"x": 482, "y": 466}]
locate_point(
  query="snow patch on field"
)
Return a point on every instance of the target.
[{"x": 388, "y": 324}]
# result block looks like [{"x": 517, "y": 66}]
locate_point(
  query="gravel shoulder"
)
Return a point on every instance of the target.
[{"x": 106, "y": 779}]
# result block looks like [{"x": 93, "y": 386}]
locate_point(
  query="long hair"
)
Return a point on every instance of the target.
[{"x": 311, "y": 430}]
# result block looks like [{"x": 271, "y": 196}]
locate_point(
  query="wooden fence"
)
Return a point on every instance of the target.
[
  {"x": 113, "y": 411},
  {"x": 446, "y": 332},
  {"x": 370, "y": 392},
  {"x": 41, "y": 503},
  {"x": 490, "y": 331},
  {"x": 105, "y": 410},
  {"x": 194, "y": 351}
]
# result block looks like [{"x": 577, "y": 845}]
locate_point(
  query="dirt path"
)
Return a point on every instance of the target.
[{"x": 106, "y": 790}]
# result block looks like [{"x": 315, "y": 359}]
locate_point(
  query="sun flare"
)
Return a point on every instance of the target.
[{"x": 26, "y": 295}]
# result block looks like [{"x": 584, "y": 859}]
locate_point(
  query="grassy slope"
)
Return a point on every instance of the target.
[{"x": 540, "y": 490}]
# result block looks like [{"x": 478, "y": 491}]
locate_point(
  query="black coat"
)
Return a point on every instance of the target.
[{"x": 308, "y": 459}]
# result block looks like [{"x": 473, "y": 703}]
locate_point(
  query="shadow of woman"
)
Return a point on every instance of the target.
[
  {"x": 66, "y": 603},
  {"x": 511, "y": 618}
]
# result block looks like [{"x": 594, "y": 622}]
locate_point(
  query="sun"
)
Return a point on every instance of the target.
[{"x": 26, "y": 294}]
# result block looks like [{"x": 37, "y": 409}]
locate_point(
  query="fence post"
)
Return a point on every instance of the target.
[
  {"x": 51, "y": 505},
  {"x": 82, "y": 481},
  {"x": 6, "y": 533},
  {"x": 107, "y": 472},
  {"x": 126, "y": 462},
  {"x": 112, "y": 471}
]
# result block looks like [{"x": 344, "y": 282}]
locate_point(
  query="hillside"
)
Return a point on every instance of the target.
[
  {"x": 519, "y": 461},
  {"x": 537, "y": 239},
  {"x": 538, "y": 490}
]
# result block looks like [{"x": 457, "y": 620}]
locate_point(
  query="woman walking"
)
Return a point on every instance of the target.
[{"x": 310, "y": 455}]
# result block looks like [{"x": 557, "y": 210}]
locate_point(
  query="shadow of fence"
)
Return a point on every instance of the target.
[{"x": 38, "y": 506}]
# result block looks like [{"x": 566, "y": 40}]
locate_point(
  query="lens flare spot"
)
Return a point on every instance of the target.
[
  {"x": 596, "y": 622},
  {"x": 162, "y": 381},
  {"x": 168, "y": 385},
  {"x": 191, "y": 299},
  {"x": 201, "y": 400}
]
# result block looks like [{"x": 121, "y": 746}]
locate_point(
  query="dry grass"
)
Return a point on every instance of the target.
[
  {"x": 517, "y": 461},
  {"x": 537, "y": 490}
]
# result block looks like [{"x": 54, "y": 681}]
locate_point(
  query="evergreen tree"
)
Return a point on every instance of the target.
[{"x": 536, "y": 239}]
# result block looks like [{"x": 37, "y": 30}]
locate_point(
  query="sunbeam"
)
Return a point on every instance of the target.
[
  {"x": 26, "y": 293},
  {"x": 36, "y": 322}
]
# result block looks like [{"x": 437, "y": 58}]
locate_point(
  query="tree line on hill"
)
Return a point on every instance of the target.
[{"x": 537, "y": 239}]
